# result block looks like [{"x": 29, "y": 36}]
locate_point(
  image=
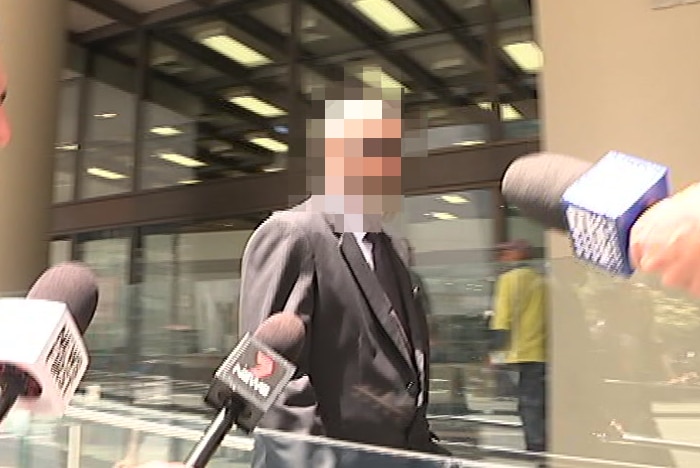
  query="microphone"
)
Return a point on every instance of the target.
[
  {"x": 42, "y": 354},
  {"x": 595, "y": 204},
  {"x": 249, "y": 381}
]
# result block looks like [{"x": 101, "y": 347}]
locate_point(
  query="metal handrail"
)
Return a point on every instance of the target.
[{"x": 477, "y": 420}]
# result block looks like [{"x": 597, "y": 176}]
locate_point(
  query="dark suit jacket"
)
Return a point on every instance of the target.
[{"x": 362, "y": 377}]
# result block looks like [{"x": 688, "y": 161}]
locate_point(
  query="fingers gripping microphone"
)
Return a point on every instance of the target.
[
  {"x": 42, "y": 354},
  {"x": 596, "y": 204},
  {"x": 249, "y": 381}
]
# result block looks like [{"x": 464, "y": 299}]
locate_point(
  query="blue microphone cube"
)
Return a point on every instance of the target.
[{"x": 604, "y": 203}]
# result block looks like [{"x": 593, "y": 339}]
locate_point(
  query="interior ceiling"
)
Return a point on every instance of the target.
[
  {"x": 444, "y": 66},
  {"x": 84, "y": 16}
]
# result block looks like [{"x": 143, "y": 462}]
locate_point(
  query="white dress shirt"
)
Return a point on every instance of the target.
[{"x": 366, "y": 248}]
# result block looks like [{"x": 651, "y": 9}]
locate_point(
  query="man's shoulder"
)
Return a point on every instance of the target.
[{"x": 300, "y": 219}]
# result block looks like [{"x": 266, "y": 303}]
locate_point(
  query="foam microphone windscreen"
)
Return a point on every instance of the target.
[
  {"x": 284, "y": 333},
  {"x": 73, "y": 284},
  {"x": 536, "y": 183}
]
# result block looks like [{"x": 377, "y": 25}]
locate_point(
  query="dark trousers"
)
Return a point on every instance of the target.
[{"x": 532, "y": 401}]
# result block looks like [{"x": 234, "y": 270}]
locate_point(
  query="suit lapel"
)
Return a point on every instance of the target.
[
  {"x": 373, "y": 292},
  {"x": 416, "y": 317}
]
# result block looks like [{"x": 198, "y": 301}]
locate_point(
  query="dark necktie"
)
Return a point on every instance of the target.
[{"x": 384, "y": 268}]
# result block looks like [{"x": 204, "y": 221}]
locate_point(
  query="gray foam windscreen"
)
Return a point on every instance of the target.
[
  {"x": 536, "y": 183},
  {"x": 283, "y": 332},
  {"x": 73, "y": 284}
]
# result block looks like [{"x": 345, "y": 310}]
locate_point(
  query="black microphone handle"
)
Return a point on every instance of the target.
[
  {"x": 215, "y": 433},
  {"x": 14, "y": 385}
]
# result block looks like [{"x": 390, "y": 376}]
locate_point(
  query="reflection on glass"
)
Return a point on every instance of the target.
[
  {"x": 622, "y": 365},
  {"x": 66, "y": 137},
  {"x": 451, "y": 236},
  {"x": 170, "y": 153},
  {"x": 108, "y": 335},
  {"x": 168, "y": 332},
  {"x": 108, "y": 153},
  {"x": 200, "y": 126},
  {"x": 189, "y": 298}
]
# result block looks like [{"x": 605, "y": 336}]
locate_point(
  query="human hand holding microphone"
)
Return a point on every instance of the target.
[
  {"x": 617, "y": 213},
  {"x": 665, "y": 240}
]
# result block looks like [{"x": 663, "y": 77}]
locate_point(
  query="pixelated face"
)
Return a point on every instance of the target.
[
  {"x": 362, "y": 148},
  {"x": 4, "y": 124}
]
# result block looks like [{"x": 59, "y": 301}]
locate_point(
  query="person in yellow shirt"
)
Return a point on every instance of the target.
[{"x": 519, "y": 319}]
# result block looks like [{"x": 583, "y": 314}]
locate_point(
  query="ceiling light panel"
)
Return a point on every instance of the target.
[
  {"x": 527, "y": 55},
  {"x": 269, "y": 143},
  {"x": 68, "y": 147},
  {"x": 257, "y": 106},
  {"x": 443, "y": 216},
  {"x": 387, "y": 16},
  {"x": 105, "y": 174},
  {"x": 181, "y": 160},
  {"x": 454, "y": 199},
  {"x": 235, "y": 50},
  {"x": 508, "y": 112},
  {"x": 376, "y": 77},
  {"x": 165, "y": 131}
]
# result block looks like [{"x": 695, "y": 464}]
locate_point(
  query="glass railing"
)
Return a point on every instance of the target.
[
  {"x": 624, "y": 381},
  {"x": 98, "y": 433}
]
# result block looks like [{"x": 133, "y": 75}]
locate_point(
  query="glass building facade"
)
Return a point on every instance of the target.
[{"x": 182, "y": 127}]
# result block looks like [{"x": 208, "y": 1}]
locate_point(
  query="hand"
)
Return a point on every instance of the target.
[{"x": 666, "y": 240}]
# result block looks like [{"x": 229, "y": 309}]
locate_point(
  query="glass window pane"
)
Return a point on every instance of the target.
[
  {"x": 107, "y": 253},
  {"x": 170, "y": 154},
  {"x": 452, "y": 236},
  {"x": 67, "y": 144},
  {"x": 216, "y": 101},
  {"x": 180, "y": 320},
  {"x": 108, "y": 151},
  {"x": 190, "y": 296},
  {"x": 67, "y": 137},
  {"x": 192, "y": 136}
]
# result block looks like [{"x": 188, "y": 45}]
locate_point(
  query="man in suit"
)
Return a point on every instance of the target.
[{"x": 363, "y": 374}]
